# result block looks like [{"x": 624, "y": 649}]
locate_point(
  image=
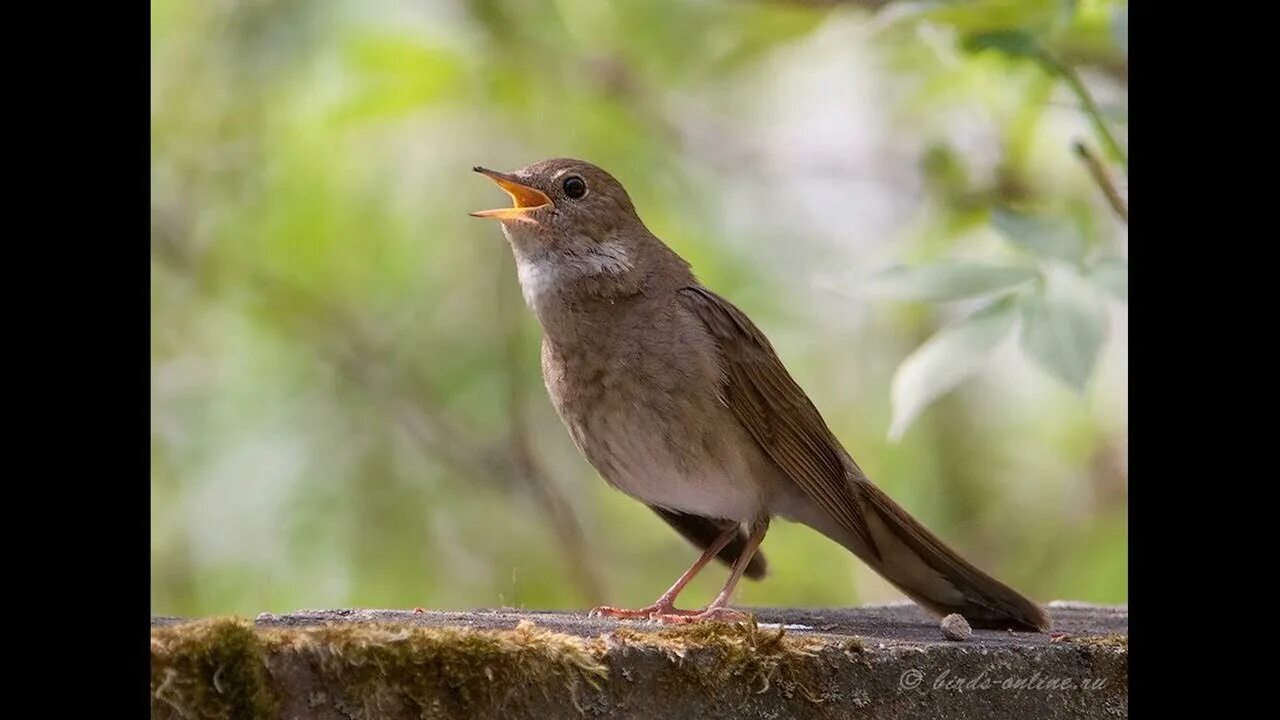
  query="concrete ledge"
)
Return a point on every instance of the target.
[{"x": 871, "y": 662}]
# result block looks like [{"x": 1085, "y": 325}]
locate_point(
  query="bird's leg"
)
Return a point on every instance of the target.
[
  {"x": 665, "y": 605},
  {"x": 718, "y": 609}
]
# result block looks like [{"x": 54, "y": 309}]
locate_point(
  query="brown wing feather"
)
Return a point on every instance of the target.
[
  {"x": 776, "y": 411},
  {"x": 702, "y": 531}
]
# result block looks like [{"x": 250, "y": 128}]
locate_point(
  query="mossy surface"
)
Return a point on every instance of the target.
[
  {"x": 325, "y": 665},
  {"x": 445, "y": 672},
  {"x": 220, "y": 668},
  {"x": 740, "y": 653},
  {"x": 209, "y": 669}
]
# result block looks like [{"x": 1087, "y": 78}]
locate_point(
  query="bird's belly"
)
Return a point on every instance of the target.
[{"x": 684, "y": 466}]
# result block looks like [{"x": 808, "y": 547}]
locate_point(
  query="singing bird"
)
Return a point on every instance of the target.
[{"x": 678, "y": 400}]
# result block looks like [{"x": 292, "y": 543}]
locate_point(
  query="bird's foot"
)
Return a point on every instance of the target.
[
  {"x": 652, "y": 612},
  {"x": 719, "y": 614}
]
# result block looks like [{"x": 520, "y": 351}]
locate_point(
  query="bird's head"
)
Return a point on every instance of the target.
[{"x": 570, "y": 224}]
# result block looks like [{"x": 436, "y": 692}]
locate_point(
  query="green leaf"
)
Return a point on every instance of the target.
[
  {"x": 977, "y": 16},
  {"x": 1064, "y": 325},
  {"x": 395, "y": 54},
  {"x": 1112, "y": 276},
  {"x": 1047, "y": 238},
  {"x": 944, "y": 171},
  {"x": 946, "y": 359},
  {"x": 1014, "y": 43},
  {"x": 946, "y": 281}
]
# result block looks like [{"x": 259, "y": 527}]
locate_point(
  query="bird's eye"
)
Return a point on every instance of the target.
[{"x": 574, "y": 187}]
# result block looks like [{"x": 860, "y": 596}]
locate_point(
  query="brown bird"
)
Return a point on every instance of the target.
[{"x": 678, "y": 400}]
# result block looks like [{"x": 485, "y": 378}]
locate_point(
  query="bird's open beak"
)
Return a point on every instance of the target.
[{"x": 523, "y": 197}]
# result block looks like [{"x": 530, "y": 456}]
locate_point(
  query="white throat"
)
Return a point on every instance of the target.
[
  {"x": 545, "y": 273},
  {"x": 538, "y": 277}
]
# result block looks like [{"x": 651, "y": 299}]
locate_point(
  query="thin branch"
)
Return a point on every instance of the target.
[
  {"x": 1090, "y": 106},
  {"x": 1103, "y": 178},
  {"x": 1113, "y": 65}
]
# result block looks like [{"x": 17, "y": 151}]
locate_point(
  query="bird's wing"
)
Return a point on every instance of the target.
[
  {"x": 776, "y": 412},
  {"x": 702, "y": 531}
]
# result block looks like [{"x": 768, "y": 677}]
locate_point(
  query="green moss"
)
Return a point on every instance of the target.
[
  {"x": 740, "y": 652},
  {"x": 217, "y": 668},
  {"x": 445, "y": 672},
  {"x": 209, "y": 669}
]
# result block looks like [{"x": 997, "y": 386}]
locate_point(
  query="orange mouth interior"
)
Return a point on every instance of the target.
[{"x": 524, "y": 198}]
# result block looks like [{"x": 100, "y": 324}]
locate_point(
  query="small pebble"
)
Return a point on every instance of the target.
[{"x": 955, "y": 627}]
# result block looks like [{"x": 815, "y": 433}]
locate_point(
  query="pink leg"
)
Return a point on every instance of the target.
[
  {"x": 718, "y": 609},
  {"x": 665, "y": 605}
]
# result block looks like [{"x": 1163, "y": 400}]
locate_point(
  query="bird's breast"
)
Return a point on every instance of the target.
[{"x": 644, "y": 408}]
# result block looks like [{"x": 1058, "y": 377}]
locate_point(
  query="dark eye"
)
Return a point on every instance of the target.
[{"x": 574, "y": 187}]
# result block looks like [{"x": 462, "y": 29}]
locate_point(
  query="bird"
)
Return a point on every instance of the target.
[{"x": 679, "y": 400}]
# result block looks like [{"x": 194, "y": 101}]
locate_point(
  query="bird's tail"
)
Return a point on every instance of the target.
[{"x": 934, "y": 575}]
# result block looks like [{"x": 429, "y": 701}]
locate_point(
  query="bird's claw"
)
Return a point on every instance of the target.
[
  {"x": 720, "y": 614},
  {"x": 669, "y": 614},
  {"x": 651, "y": 612},
  {"x": 618, "y": 613}
]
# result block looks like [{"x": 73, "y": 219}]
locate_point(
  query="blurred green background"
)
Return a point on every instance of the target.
[{"x": 346, "y": 401}]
